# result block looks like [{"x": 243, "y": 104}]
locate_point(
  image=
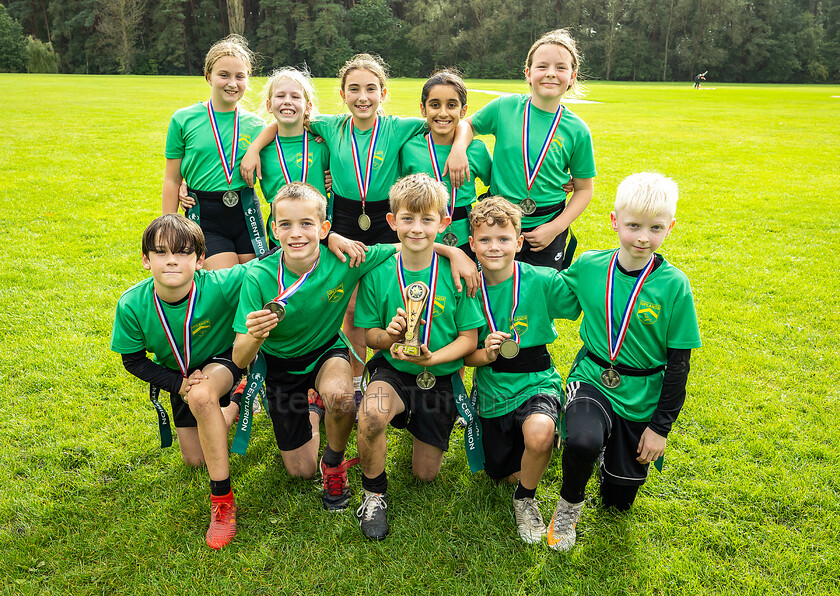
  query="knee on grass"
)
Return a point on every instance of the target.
[{"x": 618, "y": 496}]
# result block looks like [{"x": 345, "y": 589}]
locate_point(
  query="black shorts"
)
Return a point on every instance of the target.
[
  {"x": 429, "y": 415},
  {"x": 618, "y": 465},
  {"x": 182, "y": 416},
  {"x": 552, "y": 255},
  {"x": 502, "y": 436},
  {"x": 224, "y": 227},
  {"x": 288, "y": 398},
  {"x": 345, "y": 221}
]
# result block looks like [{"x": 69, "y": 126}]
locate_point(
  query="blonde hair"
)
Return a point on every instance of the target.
[
  {"x": 418, "y": 193},
  {"x": 562, "y": 38},
  {"x": 174, "y": 232},
  {"x": 496, "y": 211},
  {"x": 370, "y": 62},
  {"x": 301, "y": 191},
  {"x": 302, "y": 78},
  {"x": 647, "y": 193},
  {"x": 232, "y": 45}
]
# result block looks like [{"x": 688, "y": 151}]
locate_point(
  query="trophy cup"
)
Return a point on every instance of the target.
[{"x": 416, "y": 296}]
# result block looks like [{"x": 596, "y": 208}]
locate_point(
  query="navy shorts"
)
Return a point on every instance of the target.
[
  {"x": 429, "y": 415},
  {"x": 182, "y": 416},
  {"x": 502, "y": 436}
]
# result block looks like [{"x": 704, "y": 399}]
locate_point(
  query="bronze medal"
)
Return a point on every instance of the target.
[
  {"x": 426, "y": 380},
  {"x": 450, "y": 239},
  {"x": 610, "y": 378},
  {"x": 277, "y": 308},
  {"x": 230, "y": 198},
  {"x": 509, "y": 349},
  {"x": 528, "y": 206},
  {"x": 364, "y": 222}
]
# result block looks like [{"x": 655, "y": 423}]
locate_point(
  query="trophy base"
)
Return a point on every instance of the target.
[{"x": 408, "y": 349}]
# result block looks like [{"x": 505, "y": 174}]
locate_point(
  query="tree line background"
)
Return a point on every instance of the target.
[{"x": 780, "y": 41}]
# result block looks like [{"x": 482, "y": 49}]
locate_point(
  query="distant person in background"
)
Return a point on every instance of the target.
[{"x": 698, "y": 78}]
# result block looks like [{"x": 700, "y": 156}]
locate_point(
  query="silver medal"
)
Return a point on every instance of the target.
[{"x": 277, "y": 308}]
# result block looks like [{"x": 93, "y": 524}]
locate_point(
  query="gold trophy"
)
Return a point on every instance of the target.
[{"x": 416, "y": 296}]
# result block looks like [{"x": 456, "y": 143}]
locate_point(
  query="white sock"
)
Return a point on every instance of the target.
[{"x": 357, "y": 383}]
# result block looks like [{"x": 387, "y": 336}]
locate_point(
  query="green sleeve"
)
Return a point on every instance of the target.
[
  {"x": 481, "y": 162},
  {"x": 127, "y": 336},
  {"x": 250, "y": 300},
  {"x": 468, "y": 313},
  {"x": 562, "y": 301},
  {"x": 174, "y": 139},
  {"x": 405, "y": 128},
  {"x": 367, "y": 315},
  {"x": 230, "y": 282},
  {"x": 377, "y": 255},
  {"x": 486, "y": 120},
  {"x": 683, "y": 331},
  {"x": 327, "y": 125},
  {"x": 582, "y": 160}
]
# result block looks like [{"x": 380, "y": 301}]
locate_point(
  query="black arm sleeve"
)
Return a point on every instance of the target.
[
  {"x": 144, "y": 369},
  {"x": 672, "y": 398}
]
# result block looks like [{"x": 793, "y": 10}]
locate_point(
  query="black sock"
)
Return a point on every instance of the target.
[
  {"x": 524, "y": 493},
  {"x": 332, "y": 458},
  {"x": 219, "y": 488},
  {"x": 376, "y": 485}
]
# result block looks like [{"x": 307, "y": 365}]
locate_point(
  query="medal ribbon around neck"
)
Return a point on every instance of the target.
[
  {"x": 615, "y": 341},
  {"x": 438, "y": 176},
  {"x": 183, "y": 362},
  {"x": 488, "y": 311},
  {"x": 430, "y": 305},
  {"x": 304, "y": 166},
  {"x": 531, "y": 175},
  {"x": 364, "y": 184},
  {"x": 228, "y": 168},
  {"x": 286, "y": 293}
]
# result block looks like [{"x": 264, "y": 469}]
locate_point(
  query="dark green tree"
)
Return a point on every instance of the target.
[{"x": 12, "y": 44}]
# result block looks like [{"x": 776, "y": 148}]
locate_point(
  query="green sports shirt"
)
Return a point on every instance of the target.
[
  {"x": 190, "y": 139},
  {"x": 137, "y": 326},
  {"x": 415, "y": 158},
  {"x": 543, "y": 297},
  {"x": 272, "y": 173},
  {"x": 663, "y": 317},
  {"x": 393, "y": 133},
  {"x": 570, "y": 152},
  {"x": 315, "y": 312},
  {"x": 380, "y": 296}
]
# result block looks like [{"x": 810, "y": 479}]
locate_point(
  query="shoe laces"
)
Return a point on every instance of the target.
[
  {"x": 372, "y": 502},
  {"x": 218, "y": 511},
  {"x": 335, "y": 479},
  {"x": 532, "y": 512}
]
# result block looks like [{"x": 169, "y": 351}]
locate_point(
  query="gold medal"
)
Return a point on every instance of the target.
[
  {"x": 610, "y": 378},
  {"x": 509, "y": 349},
  {"x": 364, "y": 222},
  {"x": 426, "y": 380},
  {"x": 277, "y": 308},
  {"x": 528, "y": 206},
  {"x": 230, "y": 198},
  {"x": 450, "y": 239}
]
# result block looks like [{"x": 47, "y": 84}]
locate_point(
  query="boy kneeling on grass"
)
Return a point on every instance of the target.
[
  {"x": 519, "y": 390},
  {"x": 184, "y": 315},
  {"x": 292, "y": 305},
  {"x": 411, "y": 391},
  {"x": 627, "y": 385}
]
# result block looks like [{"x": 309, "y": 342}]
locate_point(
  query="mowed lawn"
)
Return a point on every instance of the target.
[{"x": 749, "y": 501}]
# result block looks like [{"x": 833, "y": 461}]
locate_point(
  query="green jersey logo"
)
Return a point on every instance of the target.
[{"x": 648, "y": 312}]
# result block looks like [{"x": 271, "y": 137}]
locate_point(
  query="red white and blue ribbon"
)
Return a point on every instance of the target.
[
  {"x": 364, "y": 184},
  {"x": 430, "y": 305},
  {"x": 286, "y": 293},
  {"x": 488, "y": 311},
  {"x": 183, "y": 361},
  {"x": 438, "y": 176},
  {"x": 304, "y": 166},
  {"x": 531, "y": 175},
  {"x": 228, "y": 167},
  {"x": 614, "y": 340}
]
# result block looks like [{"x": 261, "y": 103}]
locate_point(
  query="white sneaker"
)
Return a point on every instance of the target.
[
  {"x": 529, "y": 521},
  {"x": 561, "y": 530}
]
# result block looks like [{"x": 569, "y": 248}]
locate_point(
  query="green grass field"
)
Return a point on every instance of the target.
[{"x": 749, "y": 501}]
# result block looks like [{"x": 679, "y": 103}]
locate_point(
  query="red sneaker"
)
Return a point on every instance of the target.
[
  {"x": 222, "y": 521},
  {"x": 336, "y": 494}
]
